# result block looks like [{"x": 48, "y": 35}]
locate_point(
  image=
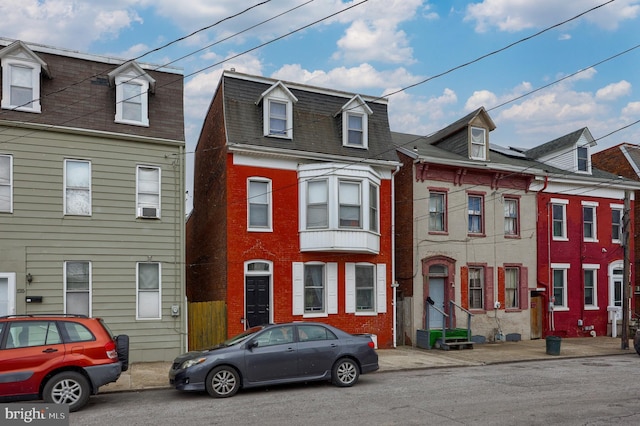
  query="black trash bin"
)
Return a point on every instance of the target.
[{"x": 553, "y": 345}]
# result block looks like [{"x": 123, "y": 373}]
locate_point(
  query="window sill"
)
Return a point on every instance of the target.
[
  {"x": 474, "y": 235},
  {"x": 259, "y": 230},
  {"x": 366, "y": 314},
  {"x": 438, "y": 232},
  {"x": 512, "y": 237},
  {"x": 560, "y": 239},
  {"x": 133, "y": 123},
  {"x": 317, "y": 315}
]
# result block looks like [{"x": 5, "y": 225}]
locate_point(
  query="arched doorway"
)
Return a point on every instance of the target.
[{"x": 438, "y": 277}]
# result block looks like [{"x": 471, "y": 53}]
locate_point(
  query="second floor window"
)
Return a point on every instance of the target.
[
  {"x": 475, "y": 214},
  {"x": 259, "y": 204},
  {"x": 437, "y": 211},
  {"x": 589, "y": 223},
  {"x": 373, "y": 208},
  {"x": 559, "y": 223},
  {"x": 6, "y": 183},
  {"x": 148, "y": 192},
  {"x": 350, "y": 204},
  {"x": 77, "y": 187},
  {"x": 317, "y": 204},
  {"x": 616, "y": 225},
  {"x": 511, "y": 225}
]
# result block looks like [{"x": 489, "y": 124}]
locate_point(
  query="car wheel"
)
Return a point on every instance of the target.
[
  {"x": 69, "y": 388},
  {"x": 345, "y": 373},
  {"x": 223, "y": 382},
  {"x": 122, "y": 346}
]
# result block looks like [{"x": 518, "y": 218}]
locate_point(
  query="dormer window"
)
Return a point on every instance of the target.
[
  {"x": 277, "y": 110},
  {"x": 478, "y": 143},
  {"x": 132, "y": 85},
  {"x": 583, "y": 159},
  {"x": 355, "y": 123},
  {"x": 21, "y": 70}
]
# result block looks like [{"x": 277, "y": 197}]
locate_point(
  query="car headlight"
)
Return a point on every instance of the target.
[{"x": 192, "y": 362}]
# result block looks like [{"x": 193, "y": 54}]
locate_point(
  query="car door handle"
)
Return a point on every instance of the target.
[
  {"x": 50, "y": 350},
  {"x": 290, "y": 349}
]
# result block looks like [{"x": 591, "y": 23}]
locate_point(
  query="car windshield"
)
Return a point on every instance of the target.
[{"x": 242, "y": 336}]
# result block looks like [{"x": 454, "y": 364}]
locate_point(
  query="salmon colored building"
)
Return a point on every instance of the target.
[{"x": 293, "y": 201}]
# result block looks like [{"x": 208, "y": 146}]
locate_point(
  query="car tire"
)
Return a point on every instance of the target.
[
  {"x": 345, "y": 373},
  {"x": 122, "y": 346},
  {"x": 223, "y": 382},
  {"x": 68, "y": 387}
]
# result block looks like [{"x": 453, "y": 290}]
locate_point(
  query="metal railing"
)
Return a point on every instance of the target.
[{"x": 429, "y": 305}]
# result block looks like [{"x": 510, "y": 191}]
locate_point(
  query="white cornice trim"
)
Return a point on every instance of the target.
[
  {"x": 305, "y": 155},
  {"x": 88, "y": 132}
]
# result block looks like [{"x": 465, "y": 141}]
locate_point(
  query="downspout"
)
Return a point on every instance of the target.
[{"x": 394, "y": 284}]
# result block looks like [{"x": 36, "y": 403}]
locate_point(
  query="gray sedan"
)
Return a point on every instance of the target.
[{"x": 276, "y": 354}]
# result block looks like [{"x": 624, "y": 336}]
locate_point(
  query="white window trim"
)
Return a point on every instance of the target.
[
  {"x": 484, "y": 144},
  {"x": 355, "y": 106},
  {"x": 588, "y": 171},
  {"x": 594, "y": 205},
  {"x": 64, "y": 200},
  {"x": 140, "y": 206},
  {"x": 565, "y": 268},
  {"x": 335, "y": 173},
  {"x": 563, "y": 203},
  {"x": 380, "y": 289},
  {"x": 120, "y": 81},
  {"x": 10, "y": 184},
  {"x": 619, "y": 207},
  {"x": 269, "y": 227},
  {"x": 7, "y": 64},
  {"x": 331, "y": 287},
  {"x": 592, "y": 267},
  {"x": 11, "y": 291},
  {"x": 64, "y": 278},
  {"x": 279, "y": 93},
  {"x": 138, "y": 317}
]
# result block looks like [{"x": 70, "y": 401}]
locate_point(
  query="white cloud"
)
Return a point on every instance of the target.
[
  {"x": 613, "y": 91},
  {"x": 513, "y": 16},
  {"x": 65, "y": 23},
  {"x": 631, "y": 110},
  {"x": 374, "y": 41},
  {"x": 480, "y": 98}
]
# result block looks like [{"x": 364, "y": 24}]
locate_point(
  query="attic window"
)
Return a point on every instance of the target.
[
  {"x": 133, "y": 85},
  {"x": 478, "y": 143},
  {"x": 277, "y": 109},
  {"x": 583, "y": 159},
  {"x": 355, "y": 123},
  {"x": 21, "y": 69}
]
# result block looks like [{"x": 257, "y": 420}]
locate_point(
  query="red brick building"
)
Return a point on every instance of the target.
[
  {"x": 293, "y": 206},
  {"x": 624, "y": 160}
]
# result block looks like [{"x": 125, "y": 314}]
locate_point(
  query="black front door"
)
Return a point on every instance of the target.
[{"x": 257, "y": 300}]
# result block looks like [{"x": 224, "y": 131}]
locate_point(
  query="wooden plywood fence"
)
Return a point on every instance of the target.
[{"x": 207, "y": 324}]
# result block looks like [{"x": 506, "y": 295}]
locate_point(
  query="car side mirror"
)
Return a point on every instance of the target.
[{"x": 252, "y": 344}]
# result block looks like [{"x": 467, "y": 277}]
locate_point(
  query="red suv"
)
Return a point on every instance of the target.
[{"x": 61, "y": 359}]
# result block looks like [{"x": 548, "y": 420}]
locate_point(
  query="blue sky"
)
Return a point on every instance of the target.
[{"x": 379, "y": 47}]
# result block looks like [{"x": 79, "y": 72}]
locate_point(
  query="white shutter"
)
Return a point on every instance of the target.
[
  {"x": 381, "y": 288},
  {"x": 332, "y": 288},
  {"x": 350, "y": 288},
  {"x": 298, "y": 288}
]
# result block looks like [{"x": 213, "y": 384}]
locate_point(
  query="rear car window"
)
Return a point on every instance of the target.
[
  {"x": 77, "y": 332},
  {"x": 23, "y": 334}
]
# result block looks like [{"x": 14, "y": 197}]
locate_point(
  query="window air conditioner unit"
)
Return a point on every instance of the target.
[{"x": 147, "y": 212}]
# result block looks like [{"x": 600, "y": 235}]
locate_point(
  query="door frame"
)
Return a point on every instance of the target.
[
  {"x": 449, "y": 281},
  {"x": 268, "y": 272}
]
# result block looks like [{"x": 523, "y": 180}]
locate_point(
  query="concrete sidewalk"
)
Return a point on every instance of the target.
[{"x": 154, "y": 375}]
